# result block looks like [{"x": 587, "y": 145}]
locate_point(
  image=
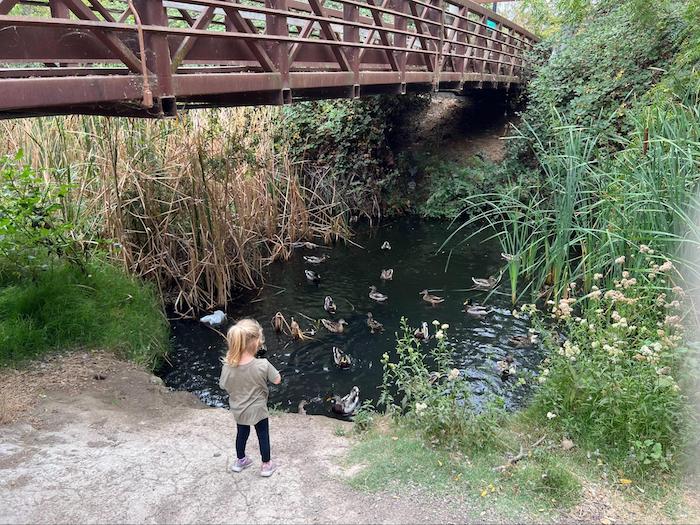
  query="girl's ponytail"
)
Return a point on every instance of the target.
[{"x": 239, "y": 338}]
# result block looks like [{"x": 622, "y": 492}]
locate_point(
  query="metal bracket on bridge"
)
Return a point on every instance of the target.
[{"x": 356, "y": 91}]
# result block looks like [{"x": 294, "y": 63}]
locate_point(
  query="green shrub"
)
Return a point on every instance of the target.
[
  {"x": 32, "y": 228},
  {"x": 593, "y": 72},
  {"x": 451, "y": 184},
  {"x": 613, "y": 383},
  {"x": 66, "y": 308}
]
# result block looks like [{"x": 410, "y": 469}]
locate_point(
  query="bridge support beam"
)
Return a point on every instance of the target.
[{"x": 158, "y": 60}]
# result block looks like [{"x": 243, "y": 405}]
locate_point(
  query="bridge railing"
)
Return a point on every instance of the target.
[{"x": 142, "y": 57}]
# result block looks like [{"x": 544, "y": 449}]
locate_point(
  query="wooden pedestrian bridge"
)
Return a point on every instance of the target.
[{"x": 149, "y": 58}]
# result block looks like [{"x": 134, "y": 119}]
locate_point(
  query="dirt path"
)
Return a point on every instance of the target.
[{"x": 126, "y": 449}]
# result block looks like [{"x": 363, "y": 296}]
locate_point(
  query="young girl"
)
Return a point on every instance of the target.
[{"x": 245, "y": 379}]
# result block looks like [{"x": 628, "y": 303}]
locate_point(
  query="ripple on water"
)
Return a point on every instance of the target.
[{"x": 307, "y": 367}]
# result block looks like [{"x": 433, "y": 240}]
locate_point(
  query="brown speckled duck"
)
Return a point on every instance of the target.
[
  {"x": 374, "y": 325},
  {"x": 336, "y": 327},
  {"x": 432, "y": 299}
]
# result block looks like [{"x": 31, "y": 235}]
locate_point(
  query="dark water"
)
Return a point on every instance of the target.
[{"x": 307, "y": 367}]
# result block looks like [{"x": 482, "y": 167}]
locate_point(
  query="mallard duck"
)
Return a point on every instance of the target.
[
  {"x": 374, "y": 325},
  {"x": 387, "y": 275},
  {"x": 432, "y": 299},
  {"x": 295, "y": 330},
  {"x": 476, "y": 310},
  {"x": 422, "y": 333},
  {"x": 346, "y": 405},
  {"x": 520, "y": 341},
  {"x": 376, "y": 296},
  {"x": 336, "y": 327},
  {"x": 312, "y": 276},
  {"x": 506, "y": 367},
  {"x": 340, "y": 358},
  {"x": 485, "y": 284},
  {"x": 312, "y": 259},
  {"x": 386, "y": 246},
  {"x": 329, "y": 305},
  {"x": 278, "y": 322}
]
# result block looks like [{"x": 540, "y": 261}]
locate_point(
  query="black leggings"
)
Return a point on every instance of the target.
[{"x": 262, "y": 429}]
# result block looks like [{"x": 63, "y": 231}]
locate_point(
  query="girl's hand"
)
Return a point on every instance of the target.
[{"x": 277, "y": 380}]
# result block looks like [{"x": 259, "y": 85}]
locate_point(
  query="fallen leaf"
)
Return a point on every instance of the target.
[
  {"x": 606, "y": 521},
  {"x": 395, "y": 438},
  {"x": 626, "y": 481},
  {"x": 484, "y": 493},
  {"x": 567, "y": 444}
]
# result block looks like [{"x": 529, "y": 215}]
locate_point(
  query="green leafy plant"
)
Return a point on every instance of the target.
[
  {"x": 432, "y": 396},
  {"x": 613, "y": 383},
  {"x": 32, "y": 230}
]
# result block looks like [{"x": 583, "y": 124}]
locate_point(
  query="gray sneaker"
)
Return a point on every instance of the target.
[
  {"x": 267, "y": 469},
  {"x": 241, "y": 464}
]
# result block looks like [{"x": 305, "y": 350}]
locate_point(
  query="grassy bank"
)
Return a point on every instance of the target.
[
  {"x": 58, "y": 293},
  {"x": 66, "y": 308}
]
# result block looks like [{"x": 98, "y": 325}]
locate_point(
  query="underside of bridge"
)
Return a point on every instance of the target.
[{"x": 151, "y": 58}]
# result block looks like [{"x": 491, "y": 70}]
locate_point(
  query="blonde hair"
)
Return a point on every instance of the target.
[{"x": 239, "y": 338}]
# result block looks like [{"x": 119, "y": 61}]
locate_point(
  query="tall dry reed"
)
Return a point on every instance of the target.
[{"x": 199, "y": 205}]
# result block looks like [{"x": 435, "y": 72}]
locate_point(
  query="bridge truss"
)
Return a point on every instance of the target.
[{"x": 148, "y": 57}]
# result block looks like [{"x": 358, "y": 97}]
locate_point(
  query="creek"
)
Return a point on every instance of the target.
[{"x": 307, "y": 367}]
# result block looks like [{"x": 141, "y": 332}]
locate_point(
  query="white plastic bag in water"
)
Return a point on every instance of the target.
[{"x": 216, "y": 318}]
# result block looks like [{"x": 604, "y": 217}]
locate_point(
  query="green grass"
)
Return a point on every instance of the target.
[
  {"x": 394, "y": 458},
  {"x": 542, "y": 487},
  {"x": 64, "y": 308}
]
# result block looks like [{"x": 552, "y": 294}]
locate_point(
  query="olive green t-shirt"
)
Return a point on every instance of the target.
[{"x": 247, "y": 389}]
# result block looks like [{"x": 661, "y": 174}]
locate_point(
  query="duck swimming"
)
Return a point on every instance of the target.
[
  {"x": 387, "y": 275},
  {"x": 340, "y": 358},
  {"x": 520, "y": 341},
  {"x": 336, "y": 327},
  {"x": 329, "y": 305},
  {"x": 347, "y": 404},
  {"x": 432, "y": 299},
  {"x": 312, "y": 276},
  {"x": 377, "y": 296},
  {"x": 485, "y": 284},
  {"x": 422, "y": 333},
  {"x": 506, "y": 367},
  {"x": 278, "y": 322},
  {"x": 312, "y": 259},
  {"x": 386, "y": 246},
  {"x": 476, "y": 310},
  {"x": 374, "y": 325}
]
